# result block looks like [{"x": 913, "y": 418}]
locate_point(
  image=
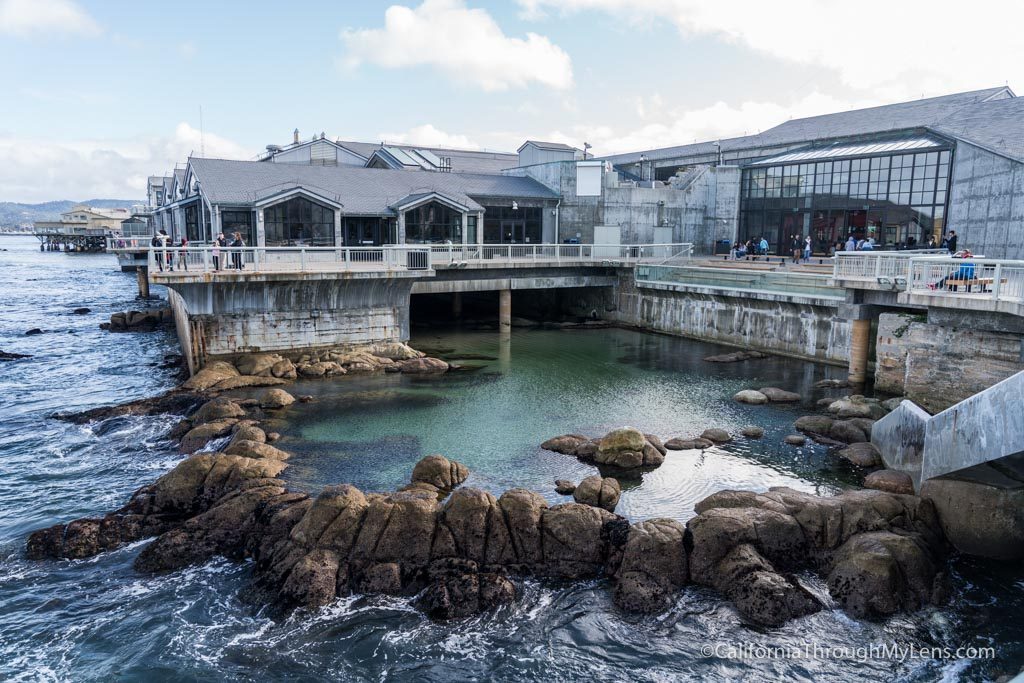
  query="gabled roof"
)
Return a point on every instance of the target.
[
  {"x": 362, "y": 191},
  {"x": 553, "y": 146}
]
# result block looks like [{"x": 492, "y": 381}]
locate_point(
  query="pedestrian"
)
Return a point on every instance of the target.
[
  {"x": 851, "y": 244},
  {"x": 762, "y": 247},
  {"x": 156, "y": 243},
  {"x": 963, "y": 274},
  {"x": 930, "y": 244},
  {"x": 236, "y": 254},
  {"x": 218, "y": 242},
  {"x": 807, "y": 249},
  {"x": 183, "y": 253},
  {"x": 794, "y": 248},
  {"x": 952, "y": 241}
]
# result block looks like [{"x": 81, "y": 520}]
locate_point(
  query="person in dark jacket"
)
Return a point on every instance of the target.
[
  {"x": 952, "y": 241},
  {"x": 236, "y": 254}
]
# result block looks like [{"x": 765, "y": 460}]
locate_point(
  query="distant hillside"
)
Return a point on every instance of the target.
[{"x": 13, "y": 214}]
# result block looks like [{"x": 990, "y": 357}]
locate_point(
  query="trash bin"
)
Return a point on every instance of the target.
[{"x": 723, "y": 247}]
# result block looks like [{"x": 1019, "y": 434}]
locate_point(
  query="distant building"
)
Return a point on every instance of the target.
[{"x": 85, "y": 220}]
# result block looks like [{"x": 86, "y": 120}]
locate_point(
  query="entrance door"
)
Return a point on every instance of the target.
[{"x": 513, "y": 232}]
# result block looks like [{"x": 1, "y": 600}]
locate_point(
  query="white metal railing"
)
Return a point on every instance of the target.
[
  {"x": 871, "y": 265},
  {"x": 556, "y": 253},
  {"x": 975, "y": 278},
  {"x": 207, "y": 258}
]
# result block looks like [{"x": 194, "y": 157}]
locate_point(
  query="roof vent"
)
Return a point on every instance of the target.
[{"x": 295, "y": 136}]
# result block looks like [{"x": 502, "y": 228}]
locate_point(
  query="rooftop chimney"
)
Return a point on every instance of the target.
[{"x": 295, "y": 136}]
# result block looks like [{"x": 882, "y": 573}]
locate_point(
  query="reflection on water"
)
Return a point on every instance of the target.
[{"x": 98, "y": 620}]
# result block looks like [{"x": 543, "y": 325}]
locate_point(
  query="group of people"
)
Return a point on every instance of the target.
[
  {"x": 166, "y": 257},
  {"x": 800, "y": 249}
]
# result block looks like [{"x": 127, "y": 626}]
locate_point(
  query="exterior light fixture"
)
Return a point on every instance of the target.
[
  {"x": 884, "y": 281},
  {"x": 515, "y": 205},
  {"x": 315, "y": 313},
  {"x": 901, "y": 281}
]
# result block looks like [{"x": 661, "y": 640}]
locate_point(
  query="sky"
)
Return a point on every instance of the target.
[{"x": 97, "y": 95}]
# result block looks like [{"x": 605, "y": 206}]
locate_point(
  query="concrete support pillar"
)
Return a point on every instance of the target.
[
  {"x": 505, "y": 310},
  {"x": 142, "y": 276},
  {"x": 457, "y": 305},
  {"x": 860, "y": 342}
]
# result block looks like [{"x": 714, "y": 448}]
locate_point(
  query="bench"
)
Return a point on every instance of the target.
[{"x": 983, "y": 282}]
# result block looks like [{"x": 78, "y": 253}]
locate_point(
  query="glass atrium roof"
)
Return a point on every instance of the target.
[{"x": 862, "y": 149}]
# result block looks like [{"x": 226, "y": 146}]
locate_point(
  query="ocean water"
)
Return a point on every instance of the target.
[{"x": 97, "y": 619}]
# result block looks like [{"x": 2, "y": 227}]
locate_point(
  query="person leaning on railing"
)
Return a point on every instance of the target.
[{"x": 964, "y": 273}]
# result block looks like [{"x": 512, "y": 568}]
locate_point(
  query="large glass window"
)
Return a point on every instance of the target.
[
  {"x": 433, "y": 223},
  {"x": 508, "y": 225},
  {"x": 192, "y": 231},
  {"x": 299, "y": 221},
  {"x": 366, "y": 231},
  {"x": 898, "y": 200},
  {"x": 237, "y": 220}
]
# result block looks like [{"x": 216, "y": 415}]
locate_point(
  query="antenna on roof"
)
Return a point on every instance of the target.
[{"x": 202, "y": 136}]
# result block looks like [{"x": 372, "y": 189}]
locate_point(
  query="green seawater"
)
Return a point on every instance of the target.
[{"x": 513, "y": 393}]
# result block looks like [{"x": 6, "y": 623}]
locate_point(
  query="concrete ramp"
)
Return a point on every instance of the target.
[
  {"x": 900, "y": 436},
  {"x": 980, "y": 439}
]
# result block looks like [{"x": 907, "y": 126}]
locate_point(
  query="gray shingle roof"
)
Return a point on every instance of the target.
[
  {"x": 924, "y": 113},
  {"x": 367, "y": 191},
  {"x": 997, "y": 126}
]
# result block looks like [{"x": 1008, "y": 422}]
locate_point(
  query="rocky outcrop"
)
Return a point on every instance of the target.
[
  {"x": 879, "y": 552},
  {"x": 752, "y": 432},
  {"x": 891, "y": 481},
  {"x": 139, "y": 321},
  {"x": 776, "y": 395},
  {"x": 423, "y": 366},
  {"x": 716, "y": 435},
  {"x": 626, "y": 448},
  {"x": 678, "y": 444},
  {"x": 7, "y": 355},
  {"x": 564, "y": 487},
  {"x": 862, "y": 454},
  {"x": 438, "y": 475},
  {"x": 858, "y": 406},
  {"x": 979, "y": 520},
  {"x": 599, "y": 492},
  {"x": 750, "y": 396},
  {"x": 272, "y": 399}
]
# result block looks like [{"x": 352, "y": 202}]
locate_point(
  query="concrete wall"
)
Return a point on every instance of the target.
[
  {"x": 701, "y": 211},
  {"x": 288, "y": 314},
  {"x": 937, "y": 366},
  {"x": 794, "y": 326},
  {"x": 987, "y": 203},
  {"x": 900, "y": 438}
]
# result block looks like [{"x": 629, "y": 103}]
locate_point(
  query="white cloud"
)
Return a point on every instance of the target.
[
  {"x": 466, "y": 44},
  {"x": 907, "y": 47},
  {"x": 664, "y": 126},
  {"x": 429, "y": 136},
  {"x": 44, "y": 170},
  {"x": 28, "y": 17}
]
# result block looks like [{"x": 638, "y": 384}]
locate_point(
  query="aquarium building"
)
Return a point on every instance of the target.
[{"x": 900, "y": 174}]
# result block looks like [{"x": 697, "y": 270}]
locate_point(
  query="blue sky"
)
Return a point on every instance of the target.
[{"x": 101, "y": 94}]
